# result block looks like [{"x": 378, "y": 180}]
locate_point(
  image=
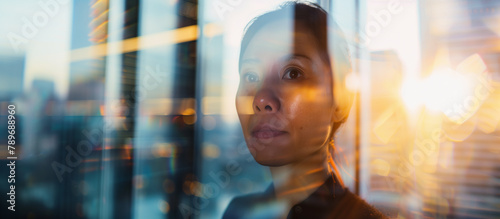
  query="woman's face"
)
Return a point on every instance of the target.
[{"x": 284, "y": 99}]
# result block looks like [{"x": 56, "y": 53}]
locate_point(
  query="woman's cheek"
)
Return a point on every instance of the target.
[
  {"x": 307, "y": 97},
  {"x": 294, "y": 106}
]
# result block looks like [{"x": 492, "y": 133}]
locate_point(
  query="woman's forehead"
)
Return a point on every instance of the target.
[{"x": 281, "y": 37}]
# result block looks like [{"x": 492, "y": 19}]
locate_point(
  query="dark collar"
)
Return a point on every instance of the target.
[
  {"x": 331, "y": 187},
  {"x": 319, "y": 202},
  {"x": 330, "y": 200}
]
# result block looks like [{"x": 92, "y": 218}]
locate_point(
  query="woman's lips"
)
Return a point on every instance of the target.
[{"x": 266, "y": 132}]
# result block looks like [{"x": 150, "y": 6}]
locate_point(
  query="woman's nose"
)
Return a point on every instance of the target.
[{"x": 265, "y": 101}]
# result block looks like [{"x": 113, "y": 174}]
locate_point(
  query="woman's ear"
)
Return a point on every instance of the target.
[
  {"x": 336, "y": 115},
  {"x": 340, "y": 112},
  {"x": 343, "y": 99}
]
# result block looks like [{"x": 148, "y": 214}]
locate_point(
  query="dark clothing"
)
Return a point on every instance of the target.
[{"x": 330, "y": 200}]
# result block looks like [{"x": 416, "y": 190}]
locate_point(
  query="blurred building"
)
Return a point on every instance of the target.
[
  {"x": 82, "y": 120},
  {"x": 11, "y": 86},
  {"x": 12, "y": 74}
]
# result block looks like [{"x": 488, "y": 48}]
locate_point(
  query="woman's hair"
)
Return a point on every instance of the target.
[{"x": 331, "y": 44}]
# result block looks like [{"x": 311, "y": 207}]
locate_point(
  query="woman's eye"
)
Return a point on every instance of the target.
[
  {"x": 251, "y": 77},
  {"x": 292, "y": 73}
]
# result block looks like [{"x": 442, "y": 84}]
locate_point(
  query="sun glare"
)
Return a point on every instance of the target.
[{"x": 443, "y": 89}]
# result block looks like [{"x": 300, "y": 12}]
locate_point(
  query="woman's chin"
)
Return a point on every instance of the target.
[
  {"x": 271, "y": 162},
  {"x": 276, "y": 151},
  {"x": 270, "y": 159}
]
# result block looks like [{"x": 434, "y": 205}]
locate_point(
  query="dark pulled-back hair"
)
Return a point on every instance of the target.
[{"x": 329, "y": 38}]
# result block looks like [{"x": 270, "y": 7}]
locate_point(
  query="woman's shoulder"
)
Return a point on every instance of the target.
[{"x": 333, "y": 200}]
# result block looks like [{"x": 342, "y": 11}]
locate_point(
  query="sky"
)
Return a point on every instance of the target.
[{"x": 47, "y": 49}]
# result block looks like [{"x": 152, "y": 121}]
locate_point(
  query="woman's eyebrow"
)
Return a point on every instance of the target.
[
  {"x": 296, "y": 56},
  {"x": 250, "y": 61}
]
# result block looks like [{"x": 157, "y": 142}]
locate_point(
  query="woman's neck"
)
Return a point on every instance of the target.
[{"x": 296, "y": 181}]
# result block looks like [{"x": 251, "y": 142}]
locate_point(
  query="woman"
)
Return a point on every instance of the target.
[{"x": 291, "y": 100}]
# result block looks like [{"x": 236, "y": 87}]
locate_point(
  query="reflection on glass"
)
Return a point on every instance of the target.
[{"x": 148, "y": 109}]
